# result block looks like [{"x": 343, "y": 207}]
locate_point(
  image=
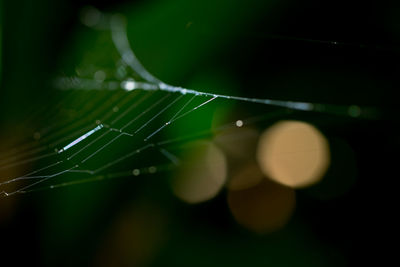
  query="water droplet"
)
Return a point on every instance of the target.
[
  {"x": 36, "y": 136},
  {"x": 152, "y": 169},
  {"x": 99, "y": 76},
  {"x": 354, "y": 111}
]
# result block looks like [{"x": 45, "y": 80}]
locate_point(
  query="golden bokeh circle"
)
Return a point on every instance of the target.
[
  {"x": 264, "y": 208},
  {"x": 202, "y": 173},
  {"x": 293, "y": 153}
]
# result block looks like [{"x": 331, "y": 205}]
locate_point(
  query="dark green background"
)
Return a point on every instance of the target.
[{"x": 251, "y": 48}]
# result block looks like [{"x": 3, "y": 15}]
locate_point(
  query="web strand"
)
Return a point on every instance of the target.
[{"x": 99, "y": 124}]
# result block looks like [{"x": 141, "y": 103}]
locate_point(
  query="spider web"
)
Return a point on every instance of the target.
[{"x": 124, "y": 123}]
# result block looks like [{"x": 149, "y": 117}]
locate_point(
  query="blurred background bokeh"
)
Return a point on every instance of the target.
[{"x": 290, "y": 189}]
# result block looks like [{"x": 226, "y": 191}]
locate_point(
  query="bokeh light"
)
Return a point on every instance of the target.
[
  {"x": 264, "y": 208},
  {"x": 9, "y": 205},
  {"x": 90, "y": 16},
  {"x": 202, "y": 175},
  {"x": 293, "y": 153},
  {"x": 133, "y": 238},
  {"x": 245, "y": 177},
  {"x": 238, "y": 143}
]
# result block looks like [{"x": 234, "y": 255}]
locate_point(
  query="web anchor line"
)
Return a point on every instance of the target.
[{"x": 121, "y": 42}]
